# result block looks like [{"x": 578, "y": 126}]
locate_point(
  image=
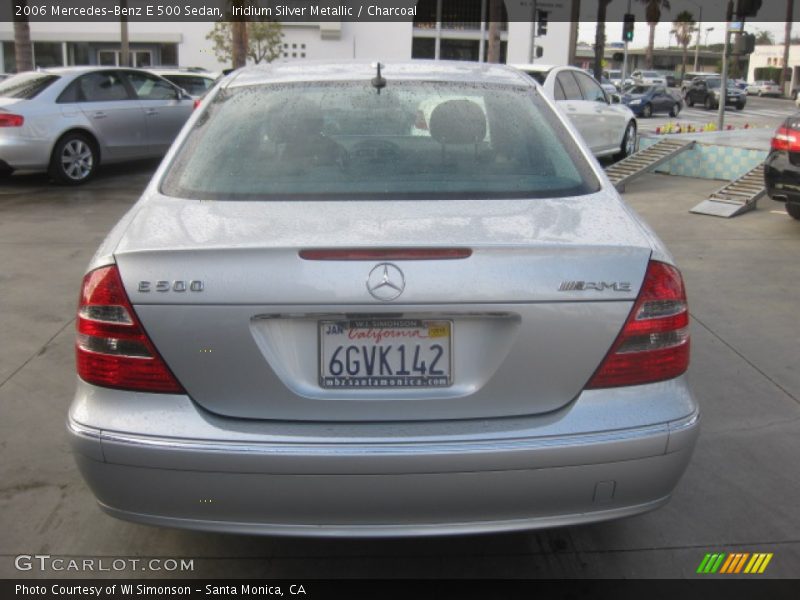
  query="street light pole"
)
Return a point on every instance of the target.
[
  {"x": 697, "y": 44},
  {"x": 723, "y": 84}
]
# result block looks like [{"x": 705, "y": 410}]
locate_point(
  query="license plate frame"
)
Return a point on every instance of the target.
[{"x": 437, "y": 329}]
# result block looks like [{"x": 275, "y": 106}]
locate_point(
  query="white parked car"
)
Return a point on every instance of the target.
[
  {"x": 648, "y": 78},
  {"x": 764, "y": 88},
  {"x": 195, "y": 82},
  {"x": 607, "y": 126}
]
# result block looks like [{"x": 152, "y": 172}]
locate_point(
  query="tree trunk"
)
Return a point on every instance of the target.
[
  {"x": 239, "y": 45},
  {"x": 683, "y": 64},
  {"x": 787, "y": 40},
  {"x": 575, "y": 17},
  {"x": 600, "y": 38},
  {"x": 650, "y": 43},
  {"x": 495, "y": 16},
  {"x": 124, "y": 47},
  {"x": 23, "y": 49}
]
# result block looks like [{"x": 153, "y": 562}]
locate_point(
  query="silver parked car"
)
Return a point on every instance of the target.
[
  {"x": 69, "y": 120},
  {"x": 763, "y": 88},
  {"x": 607, "y": 126},
  {"x": 364, "y": 301}
]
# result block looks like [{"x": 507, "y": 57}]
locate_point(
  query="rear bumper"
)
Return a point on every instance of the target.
[
  {"x": 782, "y": 178},
  {"x": 423, "y": 484},
  {"x": 22, "y": 153}
]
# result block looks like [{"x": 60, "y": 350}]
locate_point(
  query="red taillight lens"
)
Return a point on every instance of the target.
[
  {"x": 112, "y": 348},
  {"x": 196, "y": 103},
  {"x": 786, "y": 139},
  {"x": 654, "y": 343},
  {"x": 10, "y": 120}
]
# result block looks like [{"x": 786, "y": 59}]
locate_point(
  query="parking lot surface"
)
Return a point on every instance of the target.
[
  {"x": 758, "y": 112},
  {"x": 740, "y": 493}
]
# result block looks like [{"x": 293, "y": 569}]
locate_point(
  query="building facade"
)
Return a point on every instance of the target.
[{"x": 772, "y": 56}]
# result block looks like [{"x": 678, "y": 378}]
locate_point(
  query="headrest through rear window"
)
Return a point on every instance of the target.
[
  {"x": 290, "y": 122},
  {"x": 458, "y": 122}
]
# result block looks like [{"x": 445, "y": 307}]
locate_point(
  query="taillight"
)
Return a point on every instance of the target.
[
  {"x": 112, "y": 348},
  {"x": 11, "y": 120},
  {"x": 786, "y": 139},
  {"x": 654, "y": 343},
  {"x": 196, "y": 103}
]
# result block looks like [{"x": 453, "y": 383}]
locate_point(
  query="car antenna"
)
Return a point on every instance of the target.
[{"x": 378, "y": 82}]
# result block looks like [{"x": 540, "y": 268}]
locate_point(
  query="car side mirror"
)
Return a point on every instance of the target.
[{"x": 615, "y": 99}]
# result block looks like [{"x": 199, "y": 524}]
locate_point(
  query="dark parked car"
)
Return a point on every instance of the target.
[
  {"x": 707, "y": 92},
  {"x": 782, "y": 167},
  {"x": 670, "y": 79},
  {"x": 644, "y": 100}
]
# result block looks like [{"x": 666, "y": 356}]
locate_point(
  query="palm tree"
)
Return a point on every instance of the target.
[
  {"x": 764, "y": 38},
  {"x": 600, "y": 38},
  {"x": 23, "y": 49},
  {"x": 653, "y": 15},
  {"x": 683, "y": 28}
]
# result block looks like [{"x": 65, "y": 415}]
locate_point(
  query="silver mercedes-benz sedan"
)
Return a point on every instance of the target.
[
  {"x": 362, "y": 301},
  {"x": 68, "y": 120}
]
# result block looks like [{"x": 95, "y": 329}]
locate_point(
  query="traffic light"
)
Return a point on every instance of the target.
[
  {"x": 539, "y": 52},
  {"x": 747, "y": 8},
  {"x": 744, "y": 44},
  {"x": 627, "y": 27},
  {"x": 541, "y": 22}
]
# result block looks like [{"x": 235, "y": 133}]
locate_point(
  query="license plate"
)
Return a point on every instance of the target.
[{"x": 385, "y": 353}]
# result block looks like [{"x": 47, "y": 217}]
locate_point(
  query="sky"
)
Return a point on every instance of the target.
[{"x": 641, "y": 32}]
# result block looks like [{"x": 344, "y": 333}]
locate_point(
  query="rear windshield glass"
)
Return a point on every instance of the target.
[
  {"x": 344, "y": 140},
  {"x": 25, "y": 85}
]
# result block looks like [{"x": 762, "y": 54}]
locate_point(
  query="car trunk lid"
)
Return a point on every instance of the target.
[{"x": 249, "y": 327}]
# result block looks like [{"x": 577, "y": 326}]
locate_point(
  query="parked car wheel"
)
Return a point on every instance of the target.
[
  {"x": 647, "y": 111},
  {"x": 628, "y": 146},
  {"x": 676, "y": 108},
  {"x": 794, "y": 94},
  {"x": 739, "y": 106},
  {"x": 74, "y": 160},
  {"x": 793, "y": 209},
  {"x": 689, "y": 100},
  {"x": 708, "y": 103}
]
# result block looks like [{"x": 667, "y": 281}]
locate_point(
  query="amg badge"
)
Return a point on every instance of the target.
[{"x": 600, "y": 286}]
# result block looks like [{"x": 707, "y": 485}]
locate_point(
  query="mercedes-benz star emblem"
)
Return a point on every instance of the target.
[{"x": 385, "y": 282}]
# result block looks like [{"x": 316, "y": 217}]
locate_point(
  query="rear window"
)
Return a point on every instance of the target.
[
  {"x": 343, "y": 140},
  {"x": 25, "y": 85}
]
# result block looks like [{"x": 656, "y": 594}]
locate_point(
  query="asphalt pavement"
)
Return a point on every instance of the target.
[{"x": 739, "y": 494}]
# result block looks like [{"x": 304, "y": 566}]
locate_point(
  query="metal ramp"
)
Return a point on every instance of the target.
[
  {"x": 736, "y": 197},
  {"x": 641, "y": 162}
]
